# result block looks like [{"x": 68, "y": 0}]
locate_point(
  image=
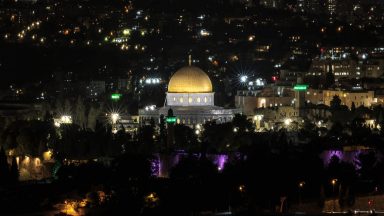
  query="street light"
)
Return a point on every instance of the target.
[
  {"x": 242, "y": 188},
  {"x": 257, "y": 119},
  {"x": 333, "y": 182},
  {"x": 287, "y": 121},
  {"x": 115, "y": 117},
  {"x": 243, "y": 78},
  {"x": 301, "y": 185}
]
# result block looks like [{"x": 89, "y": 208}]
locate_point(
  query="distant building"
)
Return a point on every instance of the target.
[
  {"x": 122, "y": 84},
  {"x": 272, "y": 3},
  {"x": 359, "y": 97},
  {"x": 96, "y": 88}
]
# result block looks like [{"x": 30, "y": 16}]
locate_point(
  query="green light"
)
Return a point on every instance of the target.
[
  {"x": 300, "y": 87},
  {"x": 115, "y": 96},
  {"x": 171, "y": 119}
]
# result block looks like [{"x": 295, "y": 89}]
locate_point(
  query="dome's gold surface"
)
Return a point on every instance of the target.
[{"x": 190, "y": 79}]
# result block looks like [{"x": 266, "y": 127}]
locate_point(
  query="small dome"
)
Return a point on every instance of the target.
[{"x": 190, "y": 79}]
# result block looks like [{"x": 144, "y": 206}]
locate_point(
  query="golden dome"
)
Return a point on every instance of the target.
[{"x": 190, "y": 79}]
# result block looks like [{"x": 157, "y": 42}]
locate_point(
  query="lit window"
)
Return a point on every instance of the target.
[
  {"x": 190, "y": 100},
  {"x": 181, "y": 100},
  {"x": 205, "y": 99},
  {"x": 198, "y": 100},
  {"x": 174, "y": 99}
]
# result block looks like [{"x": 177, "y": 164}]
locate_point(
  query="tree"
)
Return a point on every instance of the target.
[
  {"x": 79, "y": 117},
  {"x": 243, "y": 123},
  {"x": 353, "y": 107},
  {"x": 4, "y": 168},
  {"x": 145, "y": 138},
  {"x": 67, "y": 106},
  {"x": 163, "y": 135},
  {"x": 335, "y": 103},
  {"x": 185, "y": 137},
  {"x": 93, "y": 113},
  {"x": 367, "y": 163},
  {"x": 14, "y": 172}
]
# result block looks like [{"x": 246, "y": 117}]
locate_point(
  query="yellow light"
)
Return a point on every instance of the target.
[
  {"x": 301, "y": 184},
  {"x": 11, "y": 152},
  {"x": 241, "y": 188},
  {"x": 47, "y": 155},
  {"x": 115, "y": 117},
  {"x": 26, "y": 160},
  {"x": 287, "y": 121},
  {"x": 37, "y": 162},
  {"x": 126, "y": 32},
  {"x": 69, "y": 208},
  {"x": 334, "y": 181},
  {"x": 66, "y": 119}
]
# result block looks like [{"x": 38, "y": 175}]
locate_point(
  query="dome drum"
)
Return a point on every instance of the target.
[{"x": 190, "y": 99}]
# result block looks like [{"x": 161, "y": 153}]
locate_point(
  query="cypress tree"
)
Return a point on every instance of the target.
[
  {"x": 4, "y": 168},
  {"x": 14, "y": 171}
]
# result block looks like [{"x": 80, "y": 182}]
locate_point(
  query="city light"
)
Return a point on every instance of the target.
[
  {"x": 114, "y": 117},
  {"x": 64, "y": 119},
  {"x": 243, "y": 78},
  {"x": 301, "y": 184},
  {"x": 152, "y": 81},
  {"x": 204, "y": 33},
  {"x": 150, "y": 108},
  {"x": 171, "y": 119},
  {"x": 258, "y": 117},
  {"x": 333, "y": 181},
  {"x": 47, "y": 155},
  {"x": 287, "y": 121},
  {"x": 116, "y": 96},
  {"x": 300, "y": 87},
  {"x": 126, "y": 32},
  {"x": 241, "y": 188}
]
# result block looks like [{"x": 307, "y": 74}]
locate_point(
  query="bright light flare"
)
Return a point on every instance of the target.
[
  {"x": 114, "y": 117},
  {"x": 243, "y": 78},
  {"x": 288, "y": 121}
]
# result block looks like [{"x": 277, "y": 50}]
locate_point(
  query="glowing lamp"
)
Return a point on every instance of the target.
[
  {"x": 171, "y": 119},
  {"x": 300, "y": 87},
  {"x": 115, "y": 96}
]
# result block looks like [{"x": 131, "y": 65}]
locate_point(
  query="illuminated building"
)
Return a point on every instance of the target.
[
  {"x": 358, "y": 97},
  {"x": 190, "y": 95}
]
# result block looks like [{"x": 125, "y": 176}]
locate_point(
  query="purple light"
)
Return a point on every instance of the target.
[
  {"x": 155, "y": 166},
  {"x": 220, "y": 161},
  {"x": 344, "y": 156}
]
